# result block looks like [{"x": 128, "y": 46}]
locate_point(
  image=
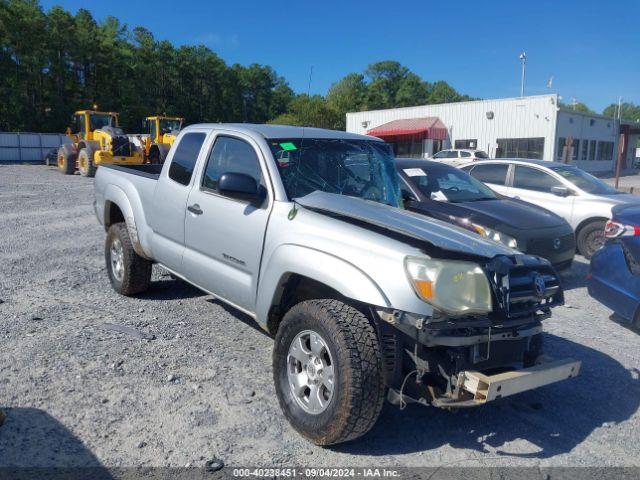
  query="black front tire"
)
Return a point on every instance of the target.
[
  {"x": 590, "y": 238},
  {"x": 359, "y": 388},
  {"x": 86, "y": 166},
  {"x": 136, "y": 275}
]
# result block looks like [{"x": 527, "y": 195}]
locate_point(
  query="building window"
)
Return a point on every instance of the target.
[
  {"x": 520, "y": 148},
  {"x": 560, "y": 149},
  {"x": 605, "y": 150},
  {"x": 576, "y": 148},
  {"x": 473, "y": 143},
  {"x": 585, "y": 149},
  {"x": 592, "y": 150},
  {"x": 408, "y": 149}
]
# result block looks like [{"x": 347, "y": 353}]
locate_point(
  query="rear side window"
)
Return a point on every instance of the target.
[
  {"x": 185, "y": 156},
  {"x": 533, "y": 179},
  {"x": 465, "y": 154},
  {"x": 230, "y": 155},
  {"x": 494, "y": 173}
]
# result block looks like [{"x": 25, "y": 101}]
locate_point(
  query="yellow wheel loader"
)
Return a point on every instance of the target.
[
  {"x": 97, "y": 140},
  {"x": 161, "y": 131}
]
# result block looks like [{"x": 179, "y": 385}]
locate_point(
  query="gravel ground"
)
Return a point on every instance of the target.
[{"x": 191, "y": 380}]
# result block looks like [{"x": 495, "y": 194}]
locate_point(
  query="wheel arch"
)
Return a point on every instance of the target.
[
  {"x": 295, "y": 273},
  {"x": 117, "y": 208},
  {"x": 587, "y": 221}
]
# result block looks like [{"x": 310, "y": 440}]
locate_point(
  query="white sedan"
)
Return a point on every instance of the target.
[{"x": 580, "y": 198}]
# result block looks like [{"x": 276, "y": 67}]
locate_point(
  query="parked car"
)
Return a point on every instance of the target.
[
  {"x": 580, "y": 198},
  {"x": 300, "y": 229},
  {"x": 614, "y": 276},
  {"x": 459, "y": 156},
  {"x": 452, "y": 195}
]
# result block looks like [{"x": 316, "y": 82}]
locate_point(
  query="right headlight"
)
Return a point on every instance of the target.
[{"x": 452, "y": 286}]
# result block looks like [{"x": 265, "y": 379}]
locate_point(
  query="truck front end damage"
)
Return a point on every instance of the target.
[{"x": 463, "y": 360}]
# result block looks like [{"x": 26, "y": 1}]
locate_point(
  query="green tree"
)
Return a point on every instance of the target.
[
  {"x": 310, "y": 111},
  {"x": 628, "y": 111},
  {"x": 347, "y": 95}
]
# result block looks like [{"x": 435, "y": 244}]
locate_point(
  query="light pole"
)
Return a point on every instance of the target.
[{"x": 523, "y": 59}]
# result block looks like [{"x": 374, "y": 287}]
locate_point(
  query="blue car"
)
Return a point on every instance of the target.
[{"x": 614, "y": 277}]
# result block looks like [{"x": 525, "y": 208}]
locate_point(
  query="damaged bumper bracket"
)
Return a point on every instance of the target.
[{"x": 486, "y": 388}]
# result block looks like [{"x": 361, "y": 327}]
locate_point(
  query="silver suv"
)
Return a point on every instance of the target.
[
  {"x": 580, "y": 198},
  {"x": 459, "y": 156}
]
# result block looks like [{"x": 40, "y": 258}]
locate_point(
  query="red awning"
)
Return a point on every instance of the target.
[{"x": 411, "y": 129}]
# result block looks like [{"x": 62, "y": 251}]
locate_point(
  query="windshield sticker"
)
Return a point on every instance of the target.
[
  {"x": 288, "y": 146},
  {"x": 415, "y": 172}
]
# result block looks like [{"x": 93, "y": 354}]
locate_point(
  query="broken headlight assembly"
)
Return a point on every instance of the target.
[{"x": 451, "y": 286}]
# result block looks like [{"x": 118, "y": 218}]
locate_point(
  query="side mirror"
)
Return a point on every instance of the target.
[
  {"x": 241, "y": 187},
  {"x": 561, "y": 191},
  {"x": 407, "y": 197}
]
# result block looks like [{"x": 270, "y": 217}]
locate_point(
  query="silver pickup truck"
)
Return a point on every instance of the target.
[{"x": 303, "y": 229}]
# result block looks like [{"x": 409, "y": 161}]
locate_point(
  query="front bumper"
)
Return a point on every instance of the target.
[
  {"x": 476, "y": 388},
  {"x": 558, "y": 245},
  {"x": 485, "y": 388},
  {"x": 612, "y": 283}
]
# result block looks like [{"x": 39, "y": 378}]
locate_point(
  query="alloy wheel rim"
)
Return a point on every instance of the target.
[
  {"x": 596, "y": 241},
  {"x": 310, "y": 372},
  {"x": 116, "y": 255}
]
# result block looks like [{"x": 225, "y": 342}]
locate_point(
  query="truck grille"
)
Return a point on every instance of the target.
[
  {"x": 547, "y": 245},
  {"x": 523, "y": 285}
]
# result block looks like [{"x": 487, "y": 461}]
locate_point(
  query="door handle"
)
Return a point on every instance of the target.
[{"x": 195, "y": 209}]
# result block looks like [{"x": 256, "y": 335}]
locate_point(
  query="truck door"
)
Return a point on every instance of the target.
[
  {"x": 170, "y": 201},
  {"x": 224, "y": 236}
]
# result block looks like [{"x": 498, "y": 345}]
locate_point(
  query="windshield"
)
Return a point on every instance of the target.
[
  {"x": 168, "y": 126},
  {"x": 447, "y": 184},
  {"x": 357, "y": 168},
  {"x": 97, "y": 121},
  {"x": 584, "y": 181}
]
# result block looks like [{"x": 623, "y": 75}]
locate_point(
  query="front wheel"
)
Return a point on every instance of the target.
[
  {"x": 590, "y": 238},
  {"x": 86, "y": 166},
  {"x": 327, "y": 369},
  {"x": 66, "y": 161},
  {"x": 129, "y": 273}
]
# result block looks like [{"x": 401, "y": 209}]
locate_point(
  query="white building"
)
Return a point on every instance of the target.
[{"x": 527, "y": 127}]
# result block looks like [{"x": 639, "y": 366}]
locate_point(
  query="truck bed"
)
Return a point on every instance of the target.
[{"x": 147, "y": 171}]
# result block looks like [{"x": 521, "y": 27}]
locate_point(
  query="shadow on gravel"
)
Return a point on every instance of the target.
[
  {"x": 543, "y": 423},
  {"x": 33, "y": 444},
  {"x": 576, "y": 276},
  {"x": 238, "y": 315},
  {"x": 171, "y": 289}
]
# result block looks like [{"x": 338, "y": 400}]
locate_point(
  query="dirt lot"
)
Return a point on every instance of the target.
[{"x": 192, "y": 379}]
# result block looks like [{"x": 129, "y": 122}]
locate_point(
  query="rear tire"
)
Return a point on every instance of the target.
[
  {"x": 85, "y": 163},
  {"x": 590, "y": 238},
  {"x": 66, "y": 161},
  {"x": 350, "y": 352},
  {"x": 129, "y": 273}
]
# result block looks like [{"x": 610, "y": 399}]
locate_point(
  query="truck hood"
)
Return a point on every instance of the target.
[{"x": 435, "y": 232}]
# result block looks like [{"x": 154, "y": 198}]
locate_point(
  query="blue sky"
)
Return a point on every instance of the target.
[{"x": 592, "y": 48}]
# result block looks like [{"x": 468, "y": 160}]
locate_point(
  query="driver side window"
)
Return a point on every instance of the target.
[{"x": 230, "y": 155}]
